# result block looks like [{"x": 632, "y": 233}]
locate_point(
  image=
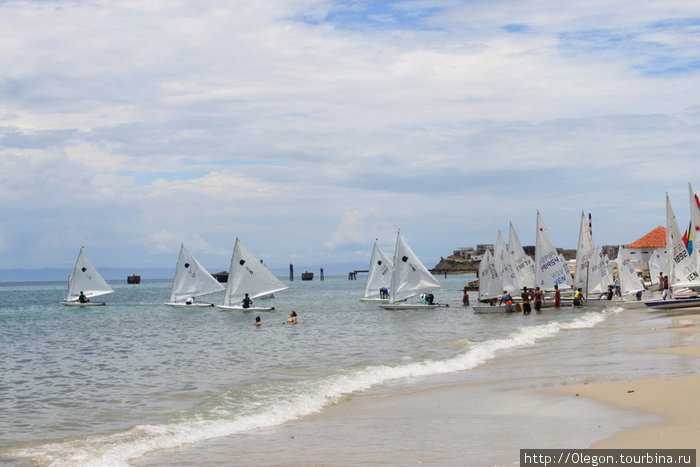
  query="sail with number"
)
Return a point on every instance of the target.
[
  {"x": 630, "y": 282},
  {"x": 550, "y": 268},
  {"x": 684, "y": 272},
  {"x": 489, "y": 280},
  {"x": 523, "y": 266},
  {"x": 506, "y": 271}
]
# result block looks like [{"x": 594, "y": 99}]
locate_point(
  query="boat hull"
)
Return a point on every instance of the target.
[
  {"x": 240, "y": 308},
  {"x": 191, "y": 305},
  {"x": 81, "y": 305},
  {"x": 673, "y": 303},
  {"x": 412, "y": 306}
]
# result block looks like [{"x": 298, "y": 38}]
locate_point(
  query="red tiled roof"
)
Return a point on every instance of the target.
[{"x": 654, "y": 239}]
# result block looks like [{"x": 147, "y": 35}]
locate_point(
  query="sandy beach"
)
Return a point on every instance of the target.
[
  {"x": 675, "y": 399},
  {"x": 485, "y": 417}
]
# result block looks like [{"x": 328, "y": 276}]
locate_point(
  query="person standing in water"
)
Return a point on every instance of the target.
[{"x": 526, "y": 296}]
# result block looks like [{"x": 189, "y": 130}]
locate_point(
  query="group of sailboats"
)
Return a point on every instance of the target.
[
  {"x": 511, "y": 270},
  {"x": 392, "y": 283},
  {"x": 247, "y": 276},
  {"x": 593, "y": 272}
]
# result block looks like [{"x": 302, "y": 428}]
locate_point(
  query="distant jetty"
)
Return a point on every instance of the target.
[{"x": 307, "y": 276}]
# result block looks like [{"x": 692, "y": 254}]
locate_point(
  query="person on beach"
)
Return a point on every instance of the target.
[
  {"x": 661, "y": 282},
  {"x": 258, "y": 322},
  {"x": 465, "y": 297},
  {"x": 292, "y": 318},
  {"x": 666, "y": 291},
  {"x": 508, "y": 300},
  {"x": 578, "y": 297},
  {"x": 246, "y": 302},
  {"x": 539, "y": 298},
  {"x": 383, "y": 292},
  {"x": 526, "y": 296},
  {"x": 557, "y": 296}
]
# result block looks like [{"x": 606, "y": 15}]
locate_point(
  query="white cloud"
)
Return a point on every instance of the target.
[{"x": 309, "y": 130}]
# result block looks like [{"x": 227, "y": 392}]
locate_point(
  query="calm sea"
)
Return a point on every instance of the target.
[{"x": 109, "y": 385}]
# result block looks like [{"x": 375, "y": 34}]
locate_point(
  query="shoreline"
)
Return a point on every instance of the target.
[{"x": 489, "y": 413}]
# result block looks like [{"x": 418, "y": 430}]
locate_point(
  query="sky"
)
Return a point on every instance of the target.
[{"x": 308, "y": 128}]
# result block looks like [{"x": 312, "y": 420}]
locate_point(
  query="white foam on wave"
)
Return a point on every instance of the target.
[{"x": 295, "y": 401}]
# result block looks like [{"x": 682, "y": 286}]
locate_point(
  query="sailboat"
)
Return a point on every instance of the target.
[
  {"x": 523, "y": 265},
  {"x": 551, "y": 268},
  {"x": 504, "y": 266},
  {"x": 490, "y": 286},
  {"x": 630, "y": 283},
  {"x": 85, "y": 281},
  {"x": 593, "y": 273},
  {"x": 683, "y": 276},
  {"x": 191, "y": 280},
  {"x": 694, "y": 229},
  {"x": 248, "y": 275},
  {"x": 378, "y": 276},
  {"x": 409, "y": 277}
]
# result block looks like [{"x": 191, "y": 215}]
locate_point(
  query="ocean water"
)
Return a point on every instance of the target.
[{"x": 111, "y": 385}]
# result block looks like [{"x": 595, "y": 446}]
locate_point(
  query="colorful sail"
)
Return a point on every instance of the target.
[{"x": 684, "y": 272}]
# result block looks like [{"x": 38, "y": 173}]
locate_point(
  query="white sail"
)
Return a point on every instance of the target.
[
  {"x": 523, "y": 266},
  {"x": 86, "y": 279},
  {"x": 191, "y": 278},
  {"x": 248, "y": 275},
  {"x": 605, "y": 272},
  {"x": 379, "y": 272},
  {"x": 694, "y": 231},
  {"x": 630, "y": 282},
  {"x": 550, "y": 269},
  {"x": 504, "y": 267},
  {"x": 657, "y": 264},
  {"x": 409, "y": 276},
  {"x": 585, "y": 257},
  {"x": 684, "y": 272},
  {"x": 489, "y": 281}
]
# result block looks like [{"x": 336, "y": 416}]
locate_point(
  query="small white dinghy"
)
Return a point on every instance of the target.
[
  {"x": 85, "y": 281},
  {"x": 191, "y": 280},
  {"x": 378, "y": 276},
  {"x": 248, "y": 275},
  {"x": 409, "y": 278}
]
